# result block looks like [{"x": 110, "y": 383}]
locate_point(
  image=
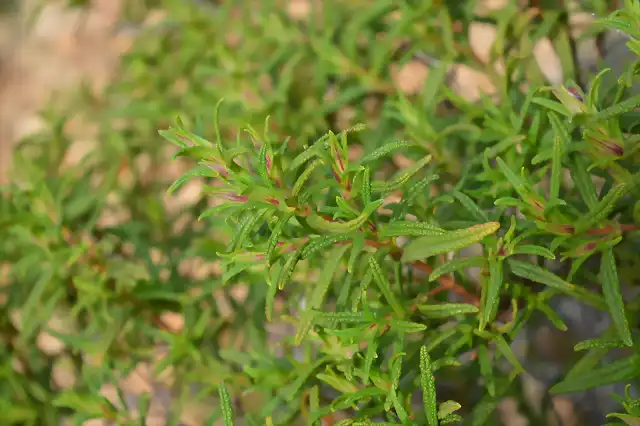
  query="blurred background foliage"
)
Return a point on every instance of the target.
[{"x": 114, "y": 302}]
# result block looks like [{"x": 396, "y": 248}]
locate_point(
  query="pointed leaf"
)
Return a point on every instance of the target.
[
  {"x": 617, "y": 109},
  {"x": 287, "y": 270},
  {"x": 428, "y": 384},
  {"x": 384, "y": 286},
  {"x": 304, "y": 326},
  {"x": 584, "y": 184},
  {"x": 402, "y": 178},
  {"x": 330, "y": 266},
  {"x": 385, "y": 150},
  {"x": 275, "y": 235},
  {"x": 319, "y": 243},
  {"x": 486, "y": 369},
  {"x": 491, "y": 293},
  {"x": 534, "y": 250},
  {"x": 407, "y": 326},
  {"x": 444, "y": 310},
  {"x": 424, "y": 247},
  {"x": 317, "y": 222},
  {"x": 599, "y": 344},
  {"x": 370, "y": 356},
  {"x": 198, "y": 171},
  {"x": 612, "y": 295},
  {"x": 225, "y": 405},
  {"x": 356, "y": 248},
  {"x": 622, "y": 370},
  {"x": 304, "y": 176},
  {"x": 457, "y": 265},
  {"x": 602, "y": 209},
  {"x": 535, "y": 273},
  {"x": 409, "y": 229},
  {"x": 478, "y": 214}
]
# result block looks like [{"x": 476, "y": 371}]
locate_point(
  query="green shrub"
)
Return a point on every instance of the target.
[{"x": 325, "y": 271}]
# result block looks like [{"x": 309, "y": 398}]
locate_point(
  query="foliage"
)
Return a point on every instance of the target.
[{"x": 372, "y": 261}]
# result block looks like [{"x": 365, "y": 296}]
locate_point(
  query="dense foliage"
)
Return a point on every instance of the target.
[{"x": 365, "y": 255}]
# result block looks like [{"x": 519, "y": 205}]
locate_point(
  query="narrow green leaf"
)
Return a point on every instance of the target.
[
  {"x": 535, "y": 273},
  {"x": 519, "y": 185},
  {"x": 594, "y": 92},
  {"x": 304, "y": 326},
  {"x": 225, "y": 405},
  {"x": 338, "y": 383},
  {"x": 435, "y": 80},
  {"x": 384, "y": 286},
  {"x": 410, "y": 229},
  {"x": 407, "y": 327},
  {"x": 314, "y": 405},
  {"x": 622, "y": 370},
  {"x": 366, "y": 186},
  {"x": 275, "y": 235},
  {"x": 447, "y": 408},
  {"x": 602, "y": 209},
  {"x": 491, "y": 293},
  {"x": 444, "y": 310},
  {"x": 628, "y": 419},
  {"x": 314, "y": 150},
  {"x": 304, "y": 176},
  {"x": 356, "y": 248},
  {"x": 320, "y": 243},
  {"x": 617, "y": 109},
  {"x": 534, "y": 250},
  {"x": 599, "y": 344},
  {"x": 385, "y": 150},
  {"x": 330, "y": 266},
  {"x": 556, "y": 169},
  {"x": 457, "y": 265},
  {"x": 317, "y": 222},
  {"x": 401, "y": 178},
  {"x": 246, "y": 225},
  {"x": 345, "y": 317},
  {"x": 553, "y": 316},
  {"x": 612, "y": 295},
  {"x": 486, "y": 369},
  {"x": 552, "y": 105},
  {"x": 198, "y": 171},
  {"x": 451, "y": 418},
  {"x": 478, "y": 214},
  {"x": 370, "y": 356},
  {"x": 428, "y": 246},
  {"x": 505, "y": 349},
  {"x": 216, "y": 125},
  {"x": 287, "y": 269},
  {"x": 30, "y": 318},
  {"x": 428, "y": 384}
]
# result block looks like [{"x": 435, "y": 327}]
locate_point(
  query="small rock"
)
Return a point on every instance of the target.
[
  {"x": 49, "y": 344},
  {"x": 173, "y": 320},
  {"x": 566, "y": 411},
  {"x": 138, "y": 381},
  {"x": 63, "y": 373},
  {"x": 484, "y": 7},
  {"x": 411, "y": 77},
  {"x": 299, "y": 10},
  {"x": 548, "y": 61},
  {"x": 482, "y": 36},
  {"x": 470, "y": 84},
  {"x": 509, "y": 414}
]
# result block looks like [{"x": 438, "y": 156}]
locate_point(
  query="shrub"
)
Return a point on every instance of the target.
[{"x": 324, "y": 271}]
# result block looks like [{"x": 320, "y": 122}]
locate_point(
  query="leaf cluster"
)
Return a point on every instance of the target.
[{"x": 326, "y": 271}]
